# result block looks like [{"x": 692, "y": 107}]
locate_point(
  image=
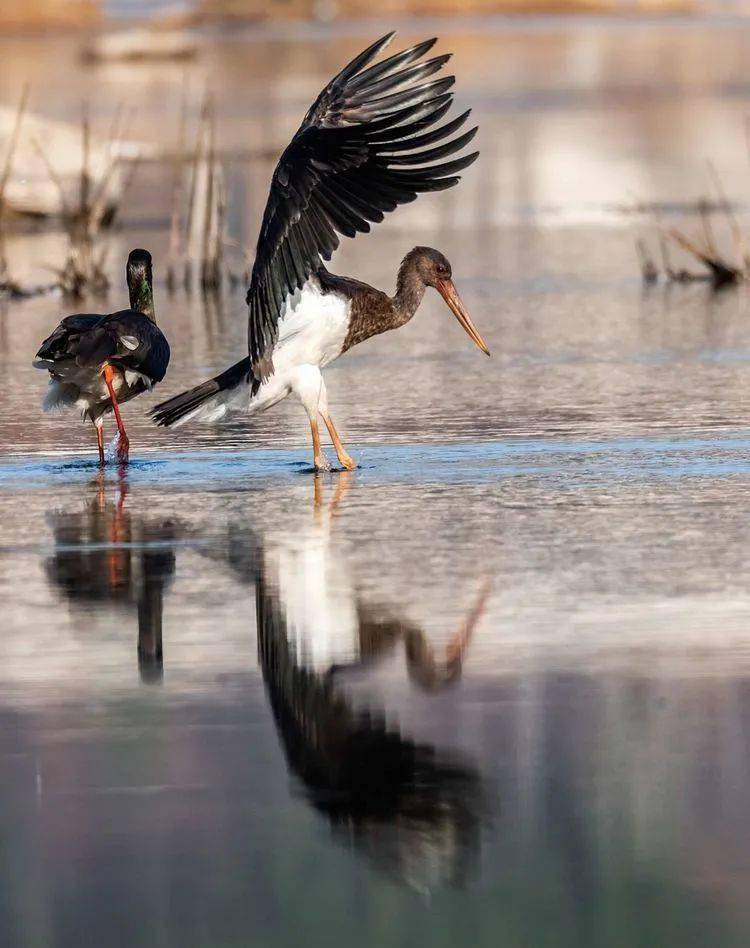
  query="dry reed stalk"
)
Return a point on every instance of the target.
[
  {"x": 649, "y": 270},
  {"x": 195, "y": 200},
  {"x": 13, "y": 144},
  {"x": 743, "y": 263},
  {"x": 175, "y": 232},
  {"x": 198, "y": 225},
  {"x": 208, "y": 277},
  {"x": 721, "y": 273},
  {"x": 213, "y": 236},
  {"x": 94, "y": 210},
  {"x": 704, "y": 210},
  {"x": 7, "y": 284}
]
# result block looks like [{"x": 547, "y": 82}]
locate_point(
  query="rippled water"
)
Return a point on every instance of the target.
[{"x": 492, "y": 687}]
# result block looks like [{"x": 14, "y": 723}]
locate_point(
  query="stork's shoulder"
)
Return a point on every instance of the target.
[
  {"x": 370, "y": 310},
  {"x": 354, "y": 290}
]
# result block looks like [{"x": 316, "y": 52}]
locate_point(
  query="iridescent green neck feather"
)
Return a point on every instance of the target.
[
  {"x": 142, "y": 299},
  {"x": 140, "y": 283}
]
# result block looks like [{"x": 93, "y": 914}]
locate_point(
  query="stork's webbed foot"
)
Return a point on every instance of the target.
[
  {"x": 122, "y": 448},
  {"x": 347, "y": 462},
  {"x": 345, "y": 459}
]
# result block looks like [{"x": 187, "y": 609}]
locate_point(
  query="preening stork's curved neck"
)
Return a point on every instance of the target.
[{"x": 140, "y": 283}]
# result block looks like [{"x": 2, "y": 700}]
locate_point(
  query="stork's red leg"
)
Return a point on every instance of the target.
[
  {"x": 123, "y": 442},
  {"x": 100, "y": 441}
]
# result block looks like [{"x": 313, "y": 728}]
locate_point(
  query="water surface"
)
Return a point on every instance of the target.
[{"x": 490, "y": 688}]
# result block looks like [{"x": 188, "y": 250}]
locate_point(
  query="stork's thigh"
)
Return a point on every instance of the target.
[{"x": 307, "y": 384}]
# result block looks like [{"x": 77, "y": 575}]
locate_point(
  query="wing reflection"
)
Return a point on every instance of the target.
[
  {"x": 413, "y": 809},
  {"x": 112, "y": 556}
]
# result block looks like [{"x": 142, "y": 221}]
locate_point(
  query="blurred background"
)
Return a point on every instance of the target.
[
  {"x": 78, "y": 13},
  {"x": 584, "y": 492}
]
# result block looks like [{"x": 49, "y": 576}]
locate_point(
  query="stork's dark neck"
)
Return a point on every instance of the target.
[
  {"x": 372, "y": 311},
  {"x": 141, "y": 294},
  {"x": 410, "y": 289}
]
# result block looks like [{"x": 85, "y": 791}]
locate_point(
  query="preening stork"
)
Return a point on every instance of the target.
[
  {"x": 97, "y": 362},
  {"x": 370, "y": 142}
]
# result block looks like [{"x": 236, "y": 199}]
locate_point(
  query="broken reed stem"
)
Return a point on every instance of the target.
[
  {"x": 198, "y": 216},
  {"x": 210, "y": 277},
  {"x": 129, "y": 177},
  {"x": 85, "y": 187},
  {"x": 221, "y": 213},
  {"x": 209, "y": 195},
  {"x": 115, "y": 128},
  {"x": 194, "y": 170},
  {"x": 708, "y": 235},
  {"x": 6, "y": 283},
  {"x": 178, "y": 185},
  {"x": 734, "y": 224},
  {"x": 649, "y": 270},
  {"x": 53, "y": 176},
  {"x": 666, "y": 261},
  {"x": 215, "y": 253},
  {"x": 13, "y": 144},
  {"x": 722, "y": 273},
  {"x": 98, "y": 205},
  {"x": 84, "y": 267}
]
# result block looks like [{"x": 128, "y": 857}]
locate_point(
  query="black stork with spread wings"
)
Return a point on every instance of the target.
[{"x": 370, "y": 142}]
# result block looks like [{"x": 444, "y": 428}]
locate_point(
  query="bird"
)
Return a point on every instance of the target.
[
  {"x": 111, "y": 556},
  {"x": 369, "y": 143},
  {"x": 96, "y": 362},
  {"x": 413, "y": 810}
]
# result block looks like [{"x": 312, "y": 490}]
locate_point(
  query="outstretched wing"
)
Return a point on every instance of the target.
[{"x": 363, "y": 148}]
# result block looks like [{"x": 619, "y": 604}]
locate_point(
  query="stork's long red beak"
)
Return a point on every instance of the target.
[{"x": 449, "y": 293}]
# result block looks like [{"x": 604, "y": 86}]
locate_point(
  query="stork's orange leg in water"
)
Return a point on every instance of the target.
[
  {"x": 100, "y": 440},
  {"x": 123, "y": 443}
]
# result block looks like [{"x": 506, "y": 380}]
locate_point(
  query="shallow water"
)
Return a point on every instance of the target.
[{"x": 490, "y": 688}]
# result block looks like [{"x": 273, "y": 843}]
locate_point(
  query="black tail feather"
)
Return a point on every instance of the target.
[{"x": 170, "y": 411}]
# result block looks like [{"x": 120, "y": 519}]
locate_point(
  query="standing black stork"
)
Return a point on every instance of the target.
[
  {"x": 359, "y": 153},
  {"x": 98, "y": 362}
]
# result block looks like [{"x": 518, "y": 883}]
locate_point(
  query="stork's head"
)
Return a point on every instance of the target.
[{"x": 434, "y": 269}]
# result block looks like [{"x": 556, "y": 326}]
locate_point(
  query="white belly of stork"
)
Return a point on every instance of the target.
[{"x": 312, "y": 330}]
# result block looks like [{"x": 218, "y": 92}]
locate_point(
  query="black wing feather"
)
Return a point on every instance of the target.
[
  {"x": 351, "y": 161},
  {"x": 387, "y": 66},
  {"x": 431, "y": 154},
  {"x": 413, "y": 74}
]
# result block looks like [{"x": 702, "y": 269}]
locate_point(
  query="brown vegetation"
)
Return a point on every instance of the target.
[
  {"x": 34, "y": 14},
  {"x": 198, "y": 229},
  {"x": 718, "y": 268},
  {"x": 7, "y": 284},
  {"x": 256, "y": 10},
  {"x": 91, "y": 211}
]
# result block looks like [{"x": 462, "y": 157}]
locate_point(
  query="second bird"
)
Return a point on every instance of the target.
[
  {"x": 98, "y": 362},
  {"x": 367, "y": 144}
]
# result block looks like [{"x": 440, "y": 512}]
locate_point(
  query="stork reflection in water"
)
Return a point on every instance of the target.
[
  {"x": 413, "y": 809},
  {"x": 116, "y": 559}
]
